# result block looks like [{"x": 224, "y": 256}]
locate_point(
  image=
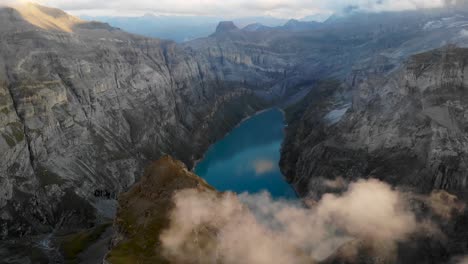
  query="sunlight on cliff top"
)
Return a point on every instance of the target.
[{"x": 45, "y": 17}]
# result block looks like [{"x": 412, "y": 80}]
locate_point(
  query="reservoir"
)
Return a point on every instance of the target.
[{"x": 246, "y": 160}]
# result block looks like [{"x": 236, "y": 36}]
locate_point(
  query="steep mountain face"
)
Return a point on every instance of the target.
[
  {"x": 316, "y": 135},
  {"x": 83, "y": 112},
  {"x": 407, "y": 128}
]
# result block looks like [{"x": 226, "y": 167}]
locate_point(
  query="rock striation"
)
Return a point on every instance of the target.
[
  {"x": 407, "y": 128},
  {"x": 83, "y": 109}
]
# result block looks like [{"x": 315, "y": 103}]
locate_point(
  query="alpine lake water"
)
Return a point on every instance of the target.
[{"x": 246, "y": 160}]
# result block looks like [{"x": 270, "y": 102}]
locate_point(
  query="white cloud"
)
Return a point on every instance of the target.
[
  {"x": 233, "y": 8},
  {"x": 9, "y": 2},
  {"x": 263, "y": 166},
  {"x": 209, "y": 228}
]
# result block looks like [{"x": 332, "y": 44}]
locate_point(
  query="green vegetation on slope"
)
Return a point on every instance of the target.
[{"x": 144, "y": 212}]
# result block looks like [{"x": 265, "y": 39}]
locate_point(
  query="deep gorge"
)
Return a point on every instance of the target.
[{"x": 90, "y": 113}]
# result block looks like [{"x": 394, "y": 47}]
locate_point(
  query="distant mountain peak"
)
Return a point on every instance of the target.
[
  {"x": 226, "y": 26},
  {"x": 256, "y": 27},
  {"x": 292, "y": 21},
  {"x": 297, "y": 25}
]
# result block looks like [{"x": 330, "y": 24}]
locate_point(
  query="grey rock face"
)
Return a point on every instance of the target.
[
  {"x": 407, "y": 128},
  {"x": 84, "y": 106},
  {"x": 82, "y": 113},
  {"x": 226, "y": 26}
]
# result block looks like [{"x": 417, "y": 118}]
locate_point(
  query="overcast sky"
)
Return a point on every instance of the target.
[{"x": 231, "y": 8}]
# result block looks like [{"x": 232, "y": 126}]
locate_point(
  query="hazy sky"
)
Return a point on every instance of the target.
[{"x": 231, "y": 8}]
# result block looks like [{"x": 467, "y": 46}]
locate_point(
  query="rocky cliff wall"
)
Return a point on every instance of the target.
[
  {"x": 407, "y": 128},
  {"x": 83, "y": 112}
]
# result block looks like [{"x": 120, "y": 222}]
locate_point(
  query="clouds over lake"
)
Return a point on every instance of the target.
[
  {"x": 207, "y": 227},
  {"x": 263, "y": 166}
]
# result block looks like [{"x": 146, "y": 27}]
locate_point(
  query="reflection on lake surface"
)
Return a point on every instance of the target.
[{"x": 247, "y": 159}]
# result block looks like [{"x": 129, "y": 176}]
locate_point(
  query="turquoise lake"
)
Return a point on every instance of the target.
[{"x": 246, "y": 160}]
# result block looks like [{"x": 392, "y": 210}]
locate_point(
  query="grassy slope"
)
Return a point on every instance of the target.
[{"x": 144, "y": 211}]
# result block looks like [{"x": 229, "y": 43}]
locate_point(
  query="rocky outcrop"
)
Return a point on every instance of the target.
[{"x": 226, "y": 26}]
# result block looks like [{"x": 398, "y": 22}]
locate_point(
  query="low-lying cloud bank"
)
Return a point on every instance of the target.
[{"x": 207, "y": 227}]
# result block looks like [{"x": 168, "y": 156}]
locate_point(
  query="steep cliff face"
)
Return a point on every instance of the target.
[
  {"x": 82, "y": 113},
  {"x": 407, "y": 128}
]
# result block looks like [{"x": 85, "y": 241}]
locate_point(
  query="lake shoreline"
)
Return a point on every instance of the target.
[
  {"x": 246, "y": 159},
  {"x": 195, "y": 163}
]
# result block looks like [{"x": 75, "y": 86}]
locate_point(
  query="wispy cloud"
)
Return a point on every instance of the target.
[
  {"x": 263, "y": 166},
  {"x": 211, "y": 227}
]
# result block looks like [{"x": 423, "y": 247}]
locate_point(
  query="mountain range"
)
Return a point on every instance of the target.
[
  {"x": 85, "y": 107},
  {"x": 177, "y": 28}
]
